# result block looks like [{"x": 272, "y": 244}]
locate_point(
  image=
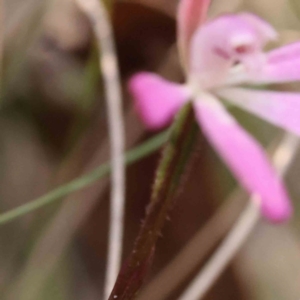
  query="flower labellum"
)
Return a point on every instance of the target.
[{"x": 224, "y": 59}]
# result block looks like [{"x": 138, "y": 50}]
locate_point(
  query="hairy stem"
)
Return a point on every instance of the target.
[{"x": 168, "y": 177}]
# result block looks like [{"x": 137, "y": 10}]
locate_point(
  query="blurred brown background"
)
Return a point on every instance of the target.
[{"x": 53, "y": 129}]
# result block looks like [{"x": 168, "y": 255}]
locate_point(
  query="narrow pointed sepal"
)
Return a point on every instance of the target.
[{"x": 245, "y": 158}]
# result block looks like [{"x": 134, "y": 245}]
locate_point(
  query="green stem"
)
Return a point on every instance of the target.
[
  {"x": 168, "y": 177},
  {"x": 84, "y": 181}
]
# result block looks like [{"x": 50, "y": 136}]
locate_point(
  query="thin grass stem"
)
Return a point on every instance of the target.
[
  {"x": 235, "y": 239},
  {"x": 84, "y": 181},
  {"x": 198, "y": 288},
  {"x": 96, "y": 12}
]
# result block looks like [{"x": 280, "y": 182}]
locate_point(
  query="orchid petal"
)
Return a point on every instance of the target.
[
  {"x": 285, "y": 53},
  {"x": 263, "y": 29},
  {"x": 279, "y": 108},
  {"x": 156, "y": 99},
  {"x": 245, "y": 157},
  {"x": 281, "y": 65},
  {"x": 285, "y": 71},
  {"x": 191, "y": 14},
  {"x": 218, "y": 44}
]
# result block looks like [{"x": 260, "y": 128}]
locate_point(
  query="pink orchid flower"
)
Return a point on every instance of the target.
[{"x": 223, "y": 59}]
